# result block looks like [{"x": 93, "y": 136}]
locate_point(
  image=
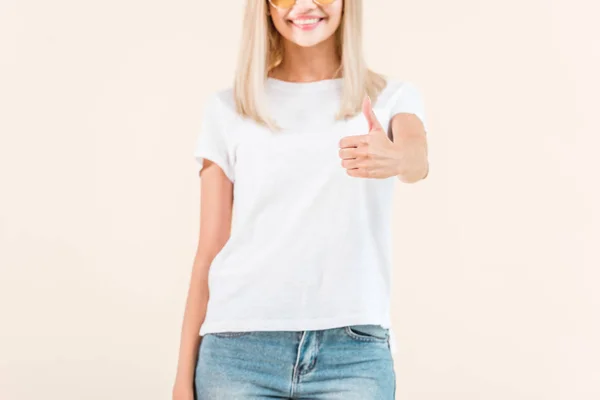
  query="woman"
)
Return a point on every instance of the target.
[{"x": 299, "y": 158}]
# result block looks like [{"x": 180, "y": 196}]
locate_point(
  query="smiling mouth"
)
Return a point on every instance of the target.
[{"x": 307, "y": 23}]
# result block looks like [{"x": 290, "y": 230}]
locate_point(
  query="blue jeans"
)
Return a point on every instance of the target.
[{"x": 346, "y": 363}]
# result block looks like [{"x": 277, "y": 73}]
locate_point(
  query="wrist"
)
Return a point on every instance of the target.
[{"x": 413, "y": 175}]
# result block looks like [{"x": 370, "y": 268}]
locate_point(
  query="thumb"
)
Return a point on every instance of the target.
[{"x": 367, "y": 109}]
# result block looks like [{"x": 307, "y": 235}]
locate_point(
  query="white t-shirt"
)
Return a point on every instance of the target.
[{"x": 310, "y": 246}]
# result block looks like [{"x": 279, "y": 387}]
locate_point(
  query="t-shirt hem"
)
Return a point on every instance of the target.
[
  {"x": 246, "y": 325},
  {"x": 215, "y": 158}
]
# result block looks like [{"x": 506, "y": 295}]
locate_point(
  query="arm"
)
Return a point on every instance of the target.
[
  {"x": 215, "y": 227},
  {"x": 375, "y": 155},
  {"x": 410, "y": 141}
]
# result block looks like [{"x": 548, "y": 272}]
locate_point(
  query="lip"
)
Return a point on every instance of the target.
[{"x": 306, "y": 27}]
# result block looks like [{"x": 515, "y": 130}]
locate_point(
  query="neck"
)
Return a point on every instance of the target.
[{"x": 308, "y": 64}]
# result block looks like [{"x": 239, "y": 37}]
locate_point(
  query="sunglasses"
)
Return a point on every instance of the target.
[{"x": 284, "y": 4}]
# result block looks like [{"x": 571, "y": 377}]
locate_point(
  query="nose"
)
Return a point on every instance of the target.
[{"x": 302, "y": 6}]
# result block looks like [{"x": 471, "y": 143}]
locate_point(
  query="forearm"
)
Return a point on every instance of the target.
[
  {"x": 412, "y": 151},
  {"x": 195, "y": 312}
]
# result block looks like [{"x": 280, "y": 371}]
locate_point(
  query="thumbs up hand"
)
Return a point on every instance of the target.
[{"x": 372, "y": 155}]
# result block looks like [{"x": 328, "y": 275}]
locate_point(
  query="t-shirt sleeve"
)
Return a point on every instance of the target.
[
  {"x": 211, "y": 141},
  {"x": 408, "y": 99}
]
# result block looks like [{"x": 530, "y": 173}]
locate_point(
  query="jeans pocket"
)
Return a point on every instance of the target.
[{"x": 367, "y": 332}]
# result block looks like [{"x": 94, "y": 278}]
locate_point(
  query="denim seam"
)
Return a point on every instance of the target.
[{"x": 230, "y": 334}]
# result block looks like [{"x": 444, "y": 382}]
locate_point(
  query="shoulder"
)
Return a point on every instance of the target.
[
  {"x": 217, "y": 110},
  {"x": 221, "y": 100},
  {"x": 397, "y": 90}
]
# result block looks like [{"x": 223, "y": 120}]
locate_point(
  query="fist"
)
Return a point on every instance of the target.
[{"x": 372, "y": 155}]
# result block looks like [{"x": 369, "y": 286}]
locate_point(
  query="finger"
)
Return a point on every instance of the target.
[
  {"x": 351, "y": 163},
  {"x": 359, "y": 172},
  {"x": 354, "y": 141},
  {"x": 369, "y": 114},
  {"x": 349, "y": 153}
]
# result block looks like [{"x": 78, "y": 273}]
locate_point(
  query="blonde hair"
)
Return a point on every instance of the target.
[{"x": 262, "y": 50}]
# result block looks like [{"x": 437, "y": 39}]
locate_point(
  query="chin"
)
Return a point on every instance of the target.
[
  {"x": 309, "y": 40},
  {"x": 309, "y": 43}
]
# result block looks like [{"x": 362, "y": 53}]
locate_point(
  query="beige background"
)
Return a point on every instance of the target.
[{"x": 496, "y": 257}]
